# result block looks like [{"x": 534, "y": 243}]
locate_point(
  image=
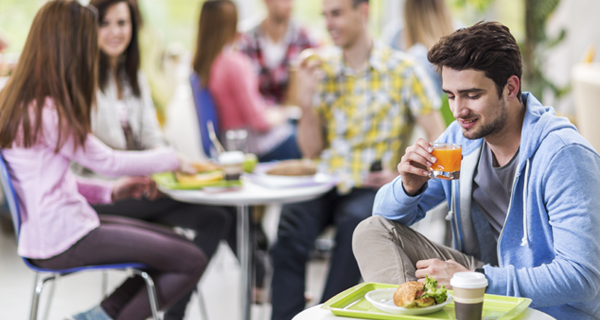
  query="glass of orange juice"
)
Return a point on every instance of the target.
[{"x": 447, "y": 166}]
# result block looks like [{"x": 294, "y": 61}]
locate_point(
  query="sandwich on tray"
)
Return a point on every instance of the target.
[{"x": 414, "y": 294}]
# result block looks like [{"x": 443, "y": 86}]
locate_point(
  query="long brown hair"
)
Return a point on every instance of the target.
[
  {"x": 59, "y": 61},
  {"x": 426, "y": 22},
  {"x": 130, "y": 64},
  {"x": 217, "y": 27}
]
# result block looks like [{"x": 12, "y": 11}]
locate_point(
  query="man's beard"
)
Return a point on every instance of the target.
[{"x": 495, "y": 126}]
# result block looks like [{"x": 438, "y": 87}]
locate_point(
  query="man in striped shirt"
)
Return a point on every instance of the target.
[{"x": 359, "y": 108}]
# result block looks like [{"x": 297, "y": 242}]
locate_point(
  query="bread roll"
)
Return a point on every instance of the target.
[
  {"x": 293, "y": 168},
  {"x": 205, "y": 166},
  {"x": 407, "y": 293}
]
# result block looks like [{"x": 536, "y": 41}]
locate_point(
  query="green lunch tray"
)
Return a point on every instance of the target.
[
  {"x": 352, "y": 303},
  {"x": 168, "y": 180}
]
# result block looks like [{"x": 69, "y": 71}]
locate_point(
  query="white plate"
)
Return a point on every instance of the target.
[
  {"x": 383, "y": 299},
  {"x": 260, "y": 177},
  {"x": 273, "y": 181}
]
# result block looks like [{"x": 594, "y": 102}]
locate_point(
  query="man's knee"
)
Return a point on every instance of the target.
[
  {"x": 369, "y": 231},
  {"x": 372, "y": 226}
]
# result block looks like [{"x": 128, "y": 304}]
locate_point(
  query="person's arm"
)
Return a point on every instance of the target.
[
  {"x": 570, "y": 185},
  {"x": 95, "y": 191},
  {"x": 311, "y": 140},
  {"x": 392, "y": 202},
  {"x": 105, "y": 192},
  {"x": 98, "y": 157}
]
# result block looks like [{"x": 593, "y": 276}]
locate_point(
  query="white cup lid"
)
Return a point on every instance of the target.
[
  {"x": 232, "y": 157},
  {"x": 469, "y": 280}
]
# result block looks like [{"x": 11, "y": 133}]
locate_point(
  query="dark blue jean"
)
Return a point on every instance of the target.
[
  {"x": 299, "y": 226},
  {"x": 288, "y": 149}
]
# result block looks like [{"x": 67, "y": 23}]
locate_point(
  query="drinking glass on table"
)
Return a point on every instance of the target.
[
  {"x": 235, "y": 140},
  {"x": 447, "y": 166}
]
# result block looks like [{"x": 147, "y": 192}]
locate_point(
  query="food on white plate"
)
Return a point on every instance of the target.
[
  {"x": 293, "y": 168},
  {"x": 205, "y": 166},
  {"x": 414, "y": 294},
  {"x": 199, "y": 177}
]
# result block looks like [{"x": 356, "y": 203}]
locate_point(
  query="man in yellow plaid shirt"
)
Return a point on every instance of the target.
[{"x": 359, "y": 106}]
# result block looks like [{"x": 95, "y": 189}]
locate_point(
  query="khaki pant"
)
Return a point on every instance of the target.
[{"x": 387, "y": 251}]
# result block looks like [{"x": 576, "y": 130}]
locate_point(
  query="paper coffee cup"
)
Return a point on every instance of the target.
[
  {"x": 232, "y": 163},
  {"x": 469, "y": 289}
]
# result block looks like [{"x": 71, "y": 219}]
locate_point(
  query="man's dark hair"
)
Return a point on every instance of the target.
[
  {"x": 485, "y": 46},
  {"x": 355, "y": 3}
]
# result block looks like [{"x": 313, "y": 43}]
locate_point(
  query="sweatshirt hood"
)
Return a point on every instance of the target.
[{"x": 538, "y": 123}]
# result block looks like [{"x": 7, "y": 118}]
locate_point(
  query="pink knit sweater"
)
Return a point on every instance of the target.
[{"x": 54, "y": 203}]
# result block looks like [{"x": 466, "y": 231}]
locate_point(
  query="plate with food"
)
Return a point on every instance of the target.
[
  {"x": 411, "y": 298},
  {"x": 289, "y": 174},
  {"x": 208, "y": 175},
  {"x": 353, "y": 303}
]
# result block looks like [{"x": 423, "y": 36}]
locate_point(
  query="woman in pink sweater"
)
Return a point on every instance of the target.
[
  {"x": 44, "y": 124},
  {"x": 234, "y": 85}
]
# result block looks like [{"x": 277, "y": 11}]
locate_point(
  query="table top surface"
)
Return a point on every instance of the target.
[
  {"x": 316, "y": 313},
  {"x": 251, "y": 193}
]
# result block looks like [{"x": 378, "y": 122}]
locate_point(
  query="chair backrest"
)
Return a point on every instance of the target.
[
  {"x": 206, "y": 110},
  {"x": 10, "y": 196}
]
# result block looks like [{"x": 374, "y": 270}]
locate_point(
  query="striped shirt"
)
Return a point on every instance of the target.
[{"x": 370, "y": 115}]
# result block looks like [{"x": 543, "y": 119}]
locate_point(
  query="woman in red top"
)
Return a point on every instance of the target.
[{"x": 234, "y": 85}]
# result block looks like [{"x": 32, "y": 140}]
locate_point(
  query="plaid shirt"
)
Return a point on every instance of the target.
[
  {"x": 273, "y": 82},
  {"x": 370, "y": 115}
]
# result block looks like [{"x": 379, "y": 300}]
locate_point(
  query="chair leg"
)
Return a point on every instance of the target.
[
  {"x": 104, "y": 284},
  {"x": 151, "y": 292},
  {"x": 37, "y": 291},
  {"x": 267, "y": 290},
  {"x": 201, "y": 304},
  {"x": 50, "y": 297}
]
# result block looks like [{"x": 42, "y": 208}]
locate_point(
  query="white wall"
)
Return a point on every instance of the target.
[{"x": 581, "y": 20}]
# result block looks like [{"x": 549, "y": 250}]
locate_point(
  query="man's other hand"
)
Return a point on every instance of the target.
[
  {"x": 377, "y": 179},
  {"x": 309, "y": 75},
  {"x": 441, "y": 271}
]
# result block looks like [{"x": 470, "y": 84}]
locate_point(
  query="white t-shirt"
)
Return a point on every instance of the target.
[
  {"x": 273, "y": 52},
  {"x": 123, "y": 112}
]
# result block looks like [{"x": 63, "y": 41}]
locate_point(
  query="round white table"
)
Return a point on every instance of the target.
[
  {"x": 316, "y": 313},
  {"x": 249, "y": 194}
]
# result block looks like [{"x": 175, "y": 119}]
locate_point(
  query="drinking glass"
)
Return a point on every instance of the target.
[
  {"x": 235, "y": 140},
  {"x": 447, "y": 166}
]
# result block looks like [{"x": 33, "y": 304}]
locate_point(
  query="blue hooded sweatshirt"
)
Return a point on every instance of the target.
[{"x": 549, "y": 247}]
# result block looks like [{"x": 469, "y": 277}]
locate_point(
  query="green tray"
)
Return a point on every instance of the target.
[
  {"x": 352, "y": 303},
  {"x": 168, "y": 180}
]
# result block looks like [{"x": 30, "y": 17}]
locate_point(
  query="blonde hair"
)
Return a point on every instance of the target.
[
  {"x": 216, "y": 28},
  {"x": 426, "y": 21}
]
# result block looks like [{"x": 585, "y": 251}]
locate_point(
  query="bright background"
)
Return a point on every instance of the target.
[{"x": 176, "y": 21}]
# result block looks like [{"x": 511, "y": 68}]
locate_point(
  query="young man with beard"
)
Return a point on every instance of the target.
[
  {"x": 360, "y": 110},
  {"x": 524, "y": 211},
  {"x": 272, "y": 45}
]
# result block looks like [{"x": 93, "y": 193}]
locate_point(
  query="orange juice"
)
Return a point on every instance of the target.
[{"x": 448, "y": 158}]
